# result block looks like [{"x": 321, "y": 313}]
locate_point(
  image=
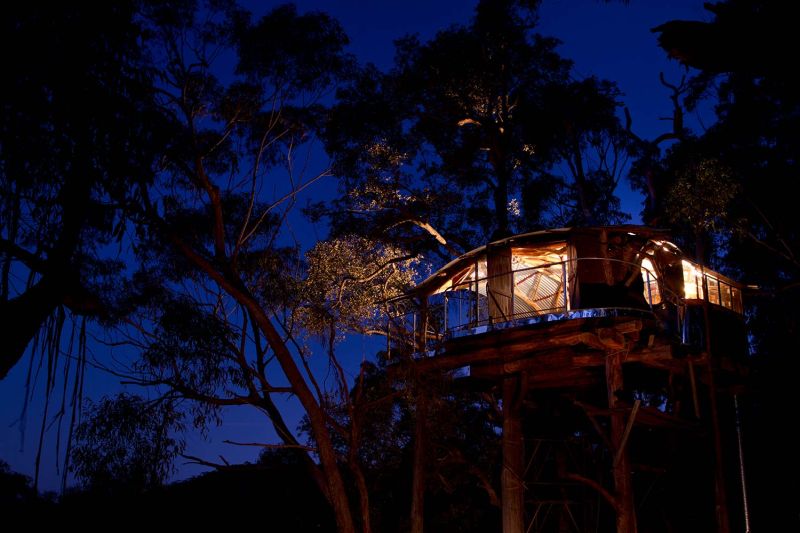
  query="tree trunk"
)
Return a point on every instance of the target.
[
  {"x": 720, "y": 492},
  {"x": 418, "y": 479},
  {"x": 235, "y": 287},
  {"x": 363, "y": 496},
  {"x": 500, "y": 284},
  {"x": 620, "y": 466},
  {"x": 336, "y": 487},
  {"x": 513, "y": 489},
  {"x": 21, "y": 318},
  {"x": 582, "y": 186}
]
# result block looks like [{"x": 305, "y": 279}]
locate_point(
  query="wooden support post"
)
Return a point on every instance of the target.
[
  {"x": 627, "y": 432},
  {"x": 513, "y": 490},
  {"x": 693, "y": 385},
  {"x": 500, "y": 284},
  {"x": 720, "y": 493},
  {"x": 418, "y": 475},
  {"x": 621, "y": 467}
]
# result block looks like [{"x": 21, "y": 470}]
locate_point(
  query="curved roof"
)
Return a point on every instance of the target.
[{"x": 541, "y": 236}]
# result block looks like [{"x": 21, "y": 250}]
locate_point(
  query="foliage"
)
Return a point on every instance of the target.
[
  {"x": 701, "y": 194},
  {"x": 15, "y": 488},
  {"x": 71, "y": 177},
  {"x": 348, "y": 280},
  {"x": 480, "y": 131},
  {"x": 126, "y": 444},
  {"x": 754, "y": 148}
]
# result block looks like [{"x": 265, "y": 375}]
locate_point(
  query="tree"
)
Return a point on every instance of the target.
[
  {"x": 224, "y": 315},
  {"x": 70, "y": 175},
  {"x": 755, "y": 142},
  {"x": 15, "y": 489},
  {"x": 481, "y": 113},
  {"x": 126, "y": 445},
  {"x": 473, "y": 135}
]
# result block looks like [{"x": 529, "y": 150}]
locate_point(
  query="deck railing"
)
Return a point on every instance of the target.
[{"x": 546, "y": 292}]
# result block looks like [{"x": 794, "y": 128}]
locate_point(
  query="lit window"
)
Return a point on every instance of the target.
[
  {"x": 713, "y": 290},
  {"x": 692, "y": 282},
  {"x": 651, "y": 292},
  {"x": 720, "y": 292}
]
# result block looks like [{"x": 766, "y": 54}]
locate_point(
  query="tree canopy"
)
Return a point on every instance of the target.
[
  {"x": 149, "y": 165},
  {"x": 484, "y": 113}
]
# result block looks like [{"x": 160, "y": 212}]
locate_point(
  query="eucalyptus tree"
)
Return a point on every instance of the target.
[
  {"x": 481, "y": 131},
  {"x": 754, "y": 148},
  {"x": 181, "y": 129},
  {"x": 69, "y": 174},
  {"x": 226, "y": 310}
]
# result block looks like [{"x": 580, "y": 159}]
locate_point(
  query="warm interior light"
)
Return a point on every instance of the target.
[
  {"x": 720, "y": 291},
  {"x": 651, "y": 290},
  {"x": 692, "y": 281}
]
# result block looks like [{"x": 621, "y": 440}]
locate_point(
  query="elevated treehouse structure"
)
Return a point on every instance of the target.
[{"x": 611, "y": 352}]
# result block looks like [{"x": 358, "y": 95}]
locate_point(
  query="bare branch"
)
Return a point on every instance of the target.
[
  {"x": 272, "y": 446},
  {"x": 607, "y": 496}
]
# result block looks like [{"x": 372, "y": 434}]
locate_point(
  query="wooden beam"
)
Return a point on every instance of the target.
[
  {"x": 621, "y": 469},
  {"x": 627, "y": 433}
]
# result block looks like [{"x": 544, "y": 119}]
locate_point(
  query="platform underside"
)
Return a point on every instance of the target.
[{"x": 564, "y": 350}]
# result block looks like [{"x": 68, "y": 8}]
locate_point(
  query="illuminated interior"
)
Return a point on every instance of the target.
[
  {"x": 549, "y": 278},
  {"x": 720, "y": 291},
  {"x": 538, "y": 278},
  {"x": 539, "y": 274},
  {"x": 652, "y": 293}
]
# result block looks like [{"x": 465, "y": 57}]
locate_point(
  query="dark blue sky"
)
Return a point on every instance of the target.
[{"x": 609, "y": 40}]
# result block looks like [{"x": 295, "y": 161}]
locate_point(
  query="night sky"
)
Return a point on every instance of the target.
[{"x": 609, "y": 40}]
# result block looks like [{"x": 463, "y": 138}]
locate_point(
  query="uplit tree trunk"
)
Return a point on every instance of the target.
[
  {"x": 500, "y": 285},
  {"x": 363, "y": 496}
]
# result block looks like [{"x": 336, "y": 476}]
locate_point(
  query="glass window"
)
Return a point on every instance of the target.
[
  {"x": 713, "y": 290},
  {"x": 651, "y": 292},
  {"x": 725, "y": 292},
  {"x": 719, "y": 292},
  {"x": 692, "y": 282}
]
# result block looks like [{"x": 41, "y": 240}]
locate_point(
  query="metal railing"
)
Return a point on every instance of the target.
[{"x": 549, "y": 291}]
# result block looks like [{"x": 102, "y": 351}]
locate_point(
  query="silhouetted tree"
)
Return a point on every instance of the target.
[
  {"x": 70, "y": 175},
  {"x": 740, "y": 55},
  {"x": 225, "y": 315},
  {"x": 481, "y": 131},
  {"x": 126, "y": 445}
]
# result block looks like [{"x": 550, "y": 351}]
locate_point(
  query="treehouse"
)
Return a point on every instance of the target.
[
  {"x": 617, "y": 325},
  {"x": 569, "y": 279}
]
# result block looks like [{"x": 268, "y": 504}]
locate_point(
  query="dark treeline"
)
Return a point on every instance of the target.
[{"x": 135, "y": 135}]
